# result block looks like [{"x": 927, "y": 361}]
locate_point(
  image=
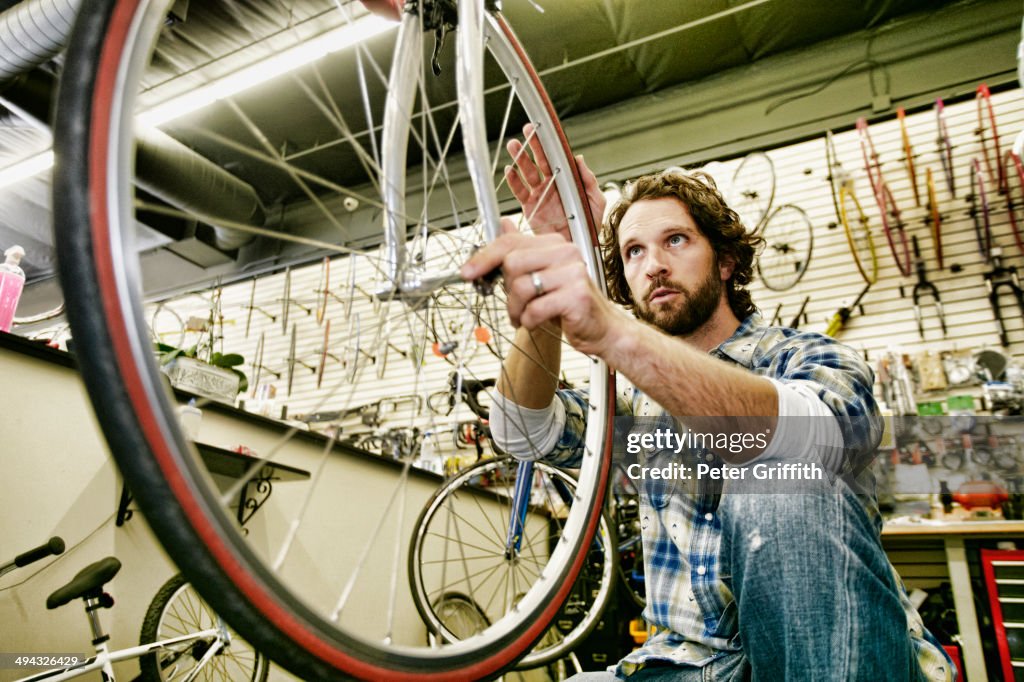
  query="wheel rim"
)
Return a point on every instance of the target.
[
  {"x": 233, "y": 569},
  {"x": 858, "y": 236},
  {"x": 789, "y": 240}
]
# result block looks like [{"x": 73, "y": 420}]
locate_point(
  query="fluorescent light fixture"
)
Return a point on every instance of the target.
[
  {"x": 307, "y": 52},
  {"x": 26, "y": 168}
]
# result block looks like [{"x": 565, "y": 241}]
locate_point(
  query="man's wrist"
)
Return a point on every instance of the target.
[{"x": 621, "y": 340}]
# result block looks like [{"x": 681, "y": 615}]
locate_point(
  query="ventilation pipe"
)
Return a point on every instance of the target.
[
  {"x": 168, "y": 169},
  {"x": 34, "y": 32},
  {"x": 164, "y": 167}
]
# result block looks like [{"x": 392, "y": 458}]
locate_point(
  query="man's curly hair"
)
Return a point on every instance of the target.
[{"x": 729, "y": 238}]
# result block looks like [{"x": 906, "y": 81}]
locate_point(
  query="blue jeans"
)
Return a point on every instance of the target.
[{"x": 816, "y": 596}]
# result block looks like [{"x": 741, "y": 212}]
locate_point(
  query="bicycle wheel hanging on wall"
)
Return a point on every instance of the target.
[
  {"x": 321, "y": 587},
  {"x": 752, "y": 190},
  {"x": 789, "y": 239},
  {"x": 858, "y": 236}
]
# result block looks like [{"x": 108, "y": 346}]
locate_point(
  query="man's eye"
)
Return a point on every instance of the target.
[
  {"x": 676, "y": 239},
  {"x": 633, "y": 251}
]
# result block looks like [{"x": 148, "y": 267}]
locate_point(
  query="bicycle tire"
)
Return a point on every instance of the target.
[
  {"x": 1015, "y": 196},
  {"x": 108, "y": 51},
  {"x": 485, "y": 538},
  {"x": 858, "y": 236},
  {"x": 789, "y": 242},
  {"x": 177, "y": 610},
  {"x": 980, "y": 216}
]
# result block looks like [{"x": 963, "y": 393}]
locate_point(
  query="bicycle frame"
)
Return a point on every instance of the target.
[{"x": 104, "y": 658}]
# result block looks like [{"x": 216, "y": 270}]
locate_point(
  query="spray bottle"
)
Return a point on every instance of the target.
[{"x": 12, "y": 281}]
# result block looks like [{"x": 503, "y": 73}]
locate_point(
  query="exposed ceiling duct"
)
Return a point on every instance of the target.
[
  {"x": 168, "y": 169},
  {"x": 165, "y": 168},
  {"x": 32, "y": 33}
]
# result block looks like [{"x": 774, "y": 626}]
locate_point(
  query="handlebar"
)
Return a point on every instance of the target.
[{"x": 52, "y": 547}]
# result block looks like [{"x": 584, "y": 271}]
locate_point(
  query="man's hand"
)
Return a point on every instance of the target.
[
  {"x": 530, "y": 179},
  {"x": 546, "y": 280}
]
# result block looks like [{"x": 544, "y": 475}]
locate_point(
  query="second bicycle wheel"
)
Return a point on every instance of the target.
[
  {"x": 317, "y": 579},
  {"x": 789, "y": 240},
  {"x": 460, "y": 548},
  {"x": 176, "y": 611}
]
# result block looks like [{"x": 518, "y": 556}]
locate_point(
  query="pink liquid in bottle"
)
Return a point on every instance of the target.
[{"x": 12, "y": 281}]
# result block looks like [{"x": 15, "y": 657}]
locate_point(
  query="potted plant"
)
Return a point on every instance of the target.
[{"x": 216, "y": 377}]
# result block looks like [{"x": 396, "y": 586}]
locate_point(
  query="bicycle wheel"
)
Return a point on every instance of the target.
[
  {"x": 177, "y": 610},
  {"x": 466, "y": 523},
  {"x": 1014, "y": 170},
  {"x": 858, "y": 236},
  {"x": 753, "y": 189},
  {"x": 789, "y": 239},
  {"x": 980, "y": 210},
  {"x": 321, "y": 587}
]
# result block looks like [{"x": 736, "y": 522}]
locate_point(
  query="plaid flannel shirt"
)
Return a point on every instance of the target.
[{"x": 688, "y": 604}]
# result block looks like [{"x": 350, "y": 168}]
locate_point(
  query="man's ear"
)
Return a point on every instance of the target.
[{"x": 726, "y": 264}]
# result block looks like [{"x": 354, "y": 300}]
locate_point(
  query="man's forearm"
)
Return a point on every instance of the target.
[
  {"x": 707, "y": 393},
  {"x": 529, "y": 376}
]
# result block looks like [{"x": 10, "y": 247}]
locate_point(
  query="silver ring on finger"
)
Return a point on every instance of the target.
[{"x": 538, "y": 285}]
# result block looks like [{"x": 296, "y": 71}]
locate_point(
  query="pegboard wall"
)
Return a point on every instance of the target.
[
  {"x": 832, "y": 279},
  {"x": 883, "y": 322}
]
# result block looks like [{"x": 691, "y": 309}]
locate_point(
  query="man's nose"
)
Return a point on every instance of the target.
[{"x": 656, "y": 264}]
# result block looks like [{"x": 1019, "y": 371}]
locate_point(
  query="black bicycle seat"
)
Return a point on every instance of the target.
[{"x": 88, "y": 583}]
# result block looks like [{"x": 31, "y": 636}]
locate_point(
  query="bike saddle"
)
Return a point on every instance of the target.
[{"x": 88, "y": 583}]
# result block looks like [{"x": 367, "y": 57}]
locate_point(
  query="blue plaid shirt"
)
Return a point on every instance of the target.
[{"x": 687, "y": 599}]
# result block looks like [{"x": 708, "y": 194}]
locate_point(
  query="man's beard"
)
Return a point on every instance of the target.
[{"x": 691, "y": 313}]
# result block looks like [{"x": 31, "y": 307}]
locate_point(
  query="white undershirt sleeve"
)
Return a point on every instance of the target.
[
  {"x": 525, "y": 433},
  {"x": 806, "y": 430}
]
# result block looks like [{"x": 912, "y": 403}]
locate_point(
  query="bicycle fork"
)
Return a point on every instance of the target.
[
  {"x": 997, "y": 278},
  {"x": 520, "y": 505}
]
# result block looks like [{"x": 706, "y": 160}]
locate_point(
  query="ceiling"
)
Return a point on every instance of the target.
[{"x": 602, "y": 61}]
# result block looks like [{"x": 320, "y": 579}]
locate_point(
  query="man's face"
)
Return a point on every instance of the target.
[{"x": 671, "y": 269}]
